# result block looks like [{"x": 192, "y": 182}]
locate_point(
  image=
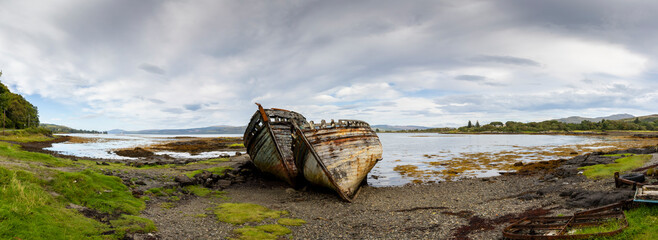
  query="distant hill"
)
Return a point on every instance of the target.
[
  {"x": 396, "y": 128},
  {"x": 648, "y": 118},
  {"x": 64, "y": 129},
  {"x": 577, "y": 119},
  {"x": 203, "y": 130}
]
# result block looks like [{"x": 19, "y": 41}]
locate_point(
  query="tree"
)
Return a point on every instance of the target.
[
  {"x": 470, "y": 125},
  {"x": 637, "y": 120},
  {"x": 477, "y": 124},
  {"x": 496, "y": 124}
]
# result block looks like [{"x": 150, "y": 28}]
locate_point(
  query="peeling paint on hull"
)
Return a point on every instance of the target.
[
  {"x": 338, "y": 157},
  {"x": 268, "y": 139}
]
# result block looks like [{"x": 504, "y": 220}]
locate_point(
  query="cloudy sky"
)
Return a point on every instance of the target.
[{"x": 178, "y": 64}]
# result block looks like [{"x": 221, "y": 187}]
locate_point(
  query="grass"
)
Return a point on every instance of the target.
[
  {"x": 265, "y": 232},
  {"x": 215, "y": 170},
  {"x": 14, "y": 151},
  {"x": 27, "y": 135},
  {"x": 132, "y": 224},
  {"x": 103, "y": 193},
  {"x": 642, "y": 224},
  {"x": 240, "y": 213},
  {"x": 620, "y": 165},
  {"x": 291, "y": 221},
  {"x": 608, "y": 226},
  {"x": 28, "y": 211},
  {"x": 619, "y": 155}
]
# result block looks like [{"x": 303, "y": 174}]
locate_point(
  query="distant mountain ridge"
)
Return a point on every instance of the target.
[
  {"x": 382, "y": 127},
  {"x": 202, "y": 130},
  {"x": 578, "y": 119}
]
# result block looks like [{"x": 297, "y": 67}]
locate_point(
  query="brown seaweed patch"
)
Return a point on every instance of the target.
[
  {"x": 135, "y": 152},
  {"x": 198, "y": 145}
]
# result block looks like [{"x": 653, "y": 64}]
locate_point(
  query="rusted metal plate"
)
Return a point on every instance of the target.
[
  {"x": 268, "y": 139},
  {"x": 559, "y": 227},
  {"x": 338, "y": 156}
]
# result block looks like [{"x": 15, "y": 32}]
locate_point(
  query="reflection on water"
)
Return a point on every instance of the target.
[{"x": 102, "y": 145}]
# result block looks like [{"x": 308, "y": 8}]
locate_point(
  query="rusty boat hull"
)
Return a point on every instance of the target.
[
  {"x": 338, "y": 156},
  {"x": 268, "y": 139}
]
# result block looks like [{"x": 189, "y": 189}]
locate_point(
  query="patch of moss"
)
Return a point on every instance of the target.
[
  {"x": 201, "y": 191},
  {"x": 239, "y": 213},
  {"x": 167, "y": 205},
  {"x": 155, "y": 191},
  {"x": 104, "y": 193},
  {"x": 291, "y": 221},
  {"x": 132, "y": 224},
  {"x": 215, "y": 170},
  {"x": 620, "y": 165},
  {"x": 265, "y": 232},
  {"x": 174, "y": 198}
]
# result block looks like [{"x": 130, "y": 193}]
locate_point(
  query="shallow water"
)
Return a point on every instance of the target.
[
  {"x": 415, "y": 149},
  {"x": 418, "y": 149},
  {"x": 102, "y": 145}
]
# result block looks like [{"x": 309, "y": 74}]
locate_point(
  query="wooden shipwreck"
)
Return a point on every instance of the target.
[
  {"x": 337, "y": 155},
  {"x": 268, "y": 139}
]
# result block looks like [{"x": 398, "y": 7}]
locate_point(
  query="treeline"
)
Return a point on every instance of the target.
[
  {"x": 15, "y": 111},
  {"x": 550, "y": 125},
  {"x": 64, "y": 129},
  {"x": 553, "y": 125}
]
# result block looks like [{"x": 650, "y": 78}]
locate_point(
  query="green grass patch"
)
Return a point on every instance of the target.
[
  {"x": 215, "y": 170},
  {"x": 239, "y": 213},
  {"x": 174, "y": 198},
  {"x": 201, "y": 191},
  {"x": 28, "y": 211},
  {"x": 607, "y": 226},
  {"x": 104, "y": 193},
  {"x": 620, "y": 165},
  {"x": 132, "y": 224},
  {"x": 27, "y": 135},
  {"x": 291, "y": 221},
  {"x": 266, "y": 232},
  {"x": 642, "y": 224},
  {"x": 15, "y": 152}
]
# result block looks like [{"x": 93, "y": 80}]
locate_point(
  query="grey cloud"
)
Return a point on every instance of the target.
[
  {"x": 192, "y": 107},
  {"x": 173, "y": 110},
  {"x": 506, "y": 60},
  {"x": 152, "y": 69},
  {"x": 157, "y": 101},
  {"x": 472, "y": 78}
]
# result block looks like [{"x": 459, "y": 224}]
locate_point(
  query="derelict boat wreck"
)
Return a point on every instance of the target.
[
  {"x": 338, "y": 155},
  {"x": 268, "y": 139}
]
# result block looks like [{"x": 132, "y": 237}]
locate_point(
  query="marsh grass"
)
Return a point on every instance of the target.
[
  {"x": 624, "y": 164},
  {"x": 14, "y": 151},
  {"x": 28, "y": 211},
  {"x": 103, "y": 193}
]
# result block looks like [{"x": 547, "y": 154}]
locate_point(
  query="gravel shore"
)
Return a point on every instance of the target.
[{"x": 465, "y": 209}]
